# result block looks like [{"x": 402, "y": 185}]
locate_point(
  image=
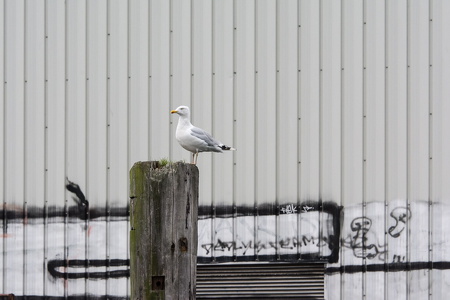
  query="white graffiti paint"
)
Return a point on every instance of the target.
[
  {"x": 307, "y": 208},
  {"x": 250, "y": 236},
  {"x": 366, "y": 235},
  {"x": 289, "y": 209},
  {"x": 104, "y": 241}
]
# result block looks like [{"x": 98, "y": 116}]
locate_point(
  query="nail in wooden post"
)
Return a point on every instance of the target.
[{"x": 163, "y": 237}]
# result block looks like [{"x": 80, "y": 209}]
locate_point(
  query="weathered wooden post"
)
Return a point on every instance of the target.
[{"x": 163, "y": 237}]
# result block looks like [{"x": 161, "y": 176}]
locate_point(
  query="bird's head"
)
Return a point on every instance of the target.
[{"x": 182, "y": 111}]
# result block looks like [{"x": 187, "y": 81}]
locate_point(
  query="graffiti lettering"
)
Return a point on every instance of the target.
[
  {"x": 287, "y": 243},
  {"x": 244, "y": 235},
  {"x": 359, "y": 242},
  {"x": 207, "y": 247},
  {"x": 400, "y": 215},
  {"x": 367, "y": 237},
  {"x": 364, "y": 242},
  {"x": 289, "y": 209},
  {"x": 307, "y": 208},
  {"x": 221, "y": 246},
  {"x": 246, "y": 246},
  {"x": 398, "y": 258}
]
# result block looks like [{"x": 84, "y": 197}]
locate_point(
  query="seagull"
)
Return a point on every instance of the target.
[{"x": 195, "y": 139}]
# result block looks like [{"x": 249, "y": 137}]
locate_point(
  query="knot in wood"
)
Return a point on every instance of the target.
[{"x": 183, "y": 244}]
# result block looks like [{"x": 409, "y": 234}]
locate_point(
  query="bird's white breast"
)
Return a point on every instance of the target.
[{"x": 188, "y": 141}]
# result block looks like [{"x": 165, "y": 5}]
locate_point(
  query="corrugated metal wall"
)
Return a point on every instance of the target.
[
  {"x": 339, "y": 111},
  {"x": 260, "y": 281}
]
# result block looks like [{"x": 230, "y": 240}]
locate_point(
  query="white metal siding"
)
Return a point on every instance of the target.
[{"x": 330, "y": 104}]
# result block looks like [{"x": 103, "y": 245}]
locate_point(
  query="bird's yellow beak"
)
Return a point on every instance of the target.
[{"x": 173, "y": 111}]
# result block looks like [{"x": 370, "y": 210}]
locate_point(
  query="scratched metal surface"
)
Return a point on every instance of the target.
[{"x": 338, "y": 110}]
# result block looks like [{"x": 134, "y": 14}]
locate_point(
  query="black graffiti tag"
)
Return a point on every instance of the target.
[
  {"x": 359, "y": 244},
  {"x": 400, "y": 215}
]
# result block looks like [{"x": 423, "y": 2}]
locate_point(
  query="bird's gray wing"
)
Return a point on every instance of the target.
[{"x": 204, "y": 136}]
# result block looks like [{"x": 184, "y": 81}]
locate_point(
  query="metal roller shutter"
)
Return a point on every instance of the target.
[{"x": 261, "y": 281}]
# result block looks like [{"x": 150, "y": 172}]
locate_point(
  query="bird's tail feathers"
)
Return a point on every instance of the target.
[{"x": 224, "y": 147}]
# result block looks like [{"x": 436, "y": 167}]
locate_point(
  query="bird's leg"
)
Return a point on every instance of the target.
[
  {"x": 196, "y": 157},
  {"x": 193, "y": 159}
]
